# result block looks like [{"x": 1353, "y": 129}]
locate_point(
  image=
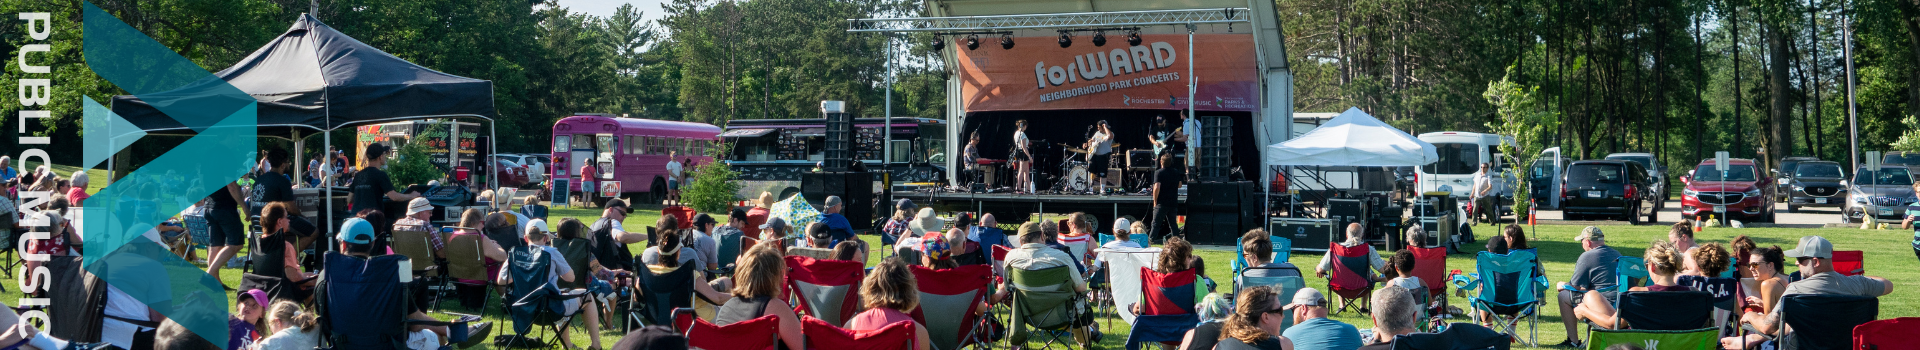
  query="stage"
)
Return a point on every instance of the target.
[{"x": 1008, "y": 208}]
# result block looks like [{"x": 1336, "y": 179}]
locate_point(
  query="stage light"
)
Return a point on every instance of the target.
[
  {"x": 973, "y": 42},
  {"x": 1100, "y": 39},
  {"x": 1006, "y": 41},
  {"x": 939, "y": 43},
  {"x": 1133, "y": 38},
  {"x": 1065, "y": 40}
]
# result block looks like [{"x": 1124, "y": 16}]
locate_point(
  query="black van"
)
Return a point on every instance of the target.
[{"x": 1613, "y": 188}]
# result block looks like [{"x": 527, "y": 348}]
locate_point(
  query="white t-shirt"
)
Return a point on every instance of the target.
[
  {"x": 121, "y": 305},
  {"x": 1103, "y": 143},
  {"x": 1020, "y": 139},
  {"x": 1116, "y": 244},
  {"x": 1482, "y": 180},
  {"x": 673, "y": 168}
]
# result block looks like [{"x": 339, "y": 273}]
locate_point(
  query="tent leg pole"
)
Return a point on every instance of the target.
[
  {"x": 493, "y": 136},
  {"x": 326, "y": 176}
]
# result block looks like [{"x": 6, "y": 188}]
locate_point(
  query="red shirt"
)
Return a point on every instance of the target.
[{"x": 76, "y": 195}]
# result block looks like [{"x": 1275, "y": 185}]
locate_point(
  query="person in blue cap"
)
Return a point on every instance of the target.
[{"x": 356, "y": 238}]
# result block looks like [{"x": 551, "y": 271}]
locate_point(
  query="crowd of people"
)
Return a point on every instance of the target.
[{"x": 751, "y": 285}]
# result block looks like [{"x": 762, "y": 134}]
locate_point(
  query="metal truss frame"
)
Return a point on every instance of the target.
[{"x": 1052, "y": 21}]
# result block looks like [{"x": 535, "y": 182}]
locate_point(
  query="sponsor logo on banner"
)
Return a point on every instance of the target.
[{"x": 1111, "y": 77}]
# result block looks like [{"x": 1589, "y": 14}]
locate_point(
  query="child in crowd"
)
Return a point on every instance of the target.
[{"x": 293, "y": 328}]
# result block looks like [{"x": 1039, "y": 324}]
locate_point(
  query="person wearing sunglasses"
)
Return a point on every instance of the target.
[
  {"x": 1814, "y": 257},
  {"x": 1767, "y": 266},
  {"x": 1256, "y": 320}
]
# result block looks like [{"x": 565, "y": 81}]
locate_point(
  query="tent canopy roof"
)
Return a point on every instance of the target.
[
  {"x": 314, "y": 78},
  {"x": 1353, "y": 139}
]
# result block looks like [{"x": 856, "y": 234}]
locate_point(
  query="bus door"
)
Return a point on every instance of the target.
[
  {"x": 608, "y": 147},
  {"x": 578, "y": 154}
]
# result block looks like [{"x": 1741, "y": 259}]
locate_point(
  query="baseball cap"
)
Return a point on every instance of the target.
[
  {"x": 1122, "y": 224},
  {"x": 1811, "y": 247},
  {"x": 1306, "y": 297},
  {"x": 356, "y": 231},
  {"x": 618, "y": 203},
  {"x": 775, "y": 222},
  {"x": 703, "y": 219},
  {"x": 904, "y": 204},
  {"x": 937, "y": 249},
  {"x": 258, "y": 296},
  {"x": 819, "y": 231},
  {"x": 1590, "y": 233},
  {"x": 417, "y": 205},
  {"x": 536, "y": 226}
]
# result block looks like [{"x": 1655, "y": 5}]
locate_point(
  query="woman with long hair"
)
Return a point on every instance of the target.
[
  {"x": 1022, "y": 158},
  {"x": 1663, "y": 269},
  {"x": 1255, "y": 324},
  {"x": 1767, "y": 266},
  {"x": 889, "y": 292},
  {"x": 757, "y": 280},
  {"x": 276, "y": 247},
  {"x": 293, "y": 328}
]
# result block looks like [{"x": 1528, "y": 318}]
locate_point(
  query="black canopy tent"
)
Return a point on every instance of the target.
[{"x": 315, "y": 79}]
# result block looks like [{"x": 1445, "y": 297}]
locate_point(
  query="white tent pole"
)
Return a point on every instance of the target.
[{"x": 326, "y": 179}]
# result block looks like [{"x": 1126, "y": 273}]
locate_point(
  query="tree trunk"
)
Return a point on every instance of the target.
[{"x": 1780, "y": 143}]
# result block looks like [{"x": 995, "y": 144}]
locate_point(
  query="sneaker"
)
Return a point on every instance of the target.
[{"x": 477, "y": 334}]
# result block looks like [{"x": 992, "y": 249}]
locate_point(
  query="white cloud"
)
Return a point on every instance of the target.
[{"x": 605, "y": 8}]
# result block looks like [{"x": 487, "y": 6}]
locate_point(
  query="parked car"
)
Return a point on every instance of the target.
[
  {"x": 1814, "y": 183},
  {"x": 1784, "y": 174},
  {"x": 1655, "y": 170},
  {"x": 1616, "y": 188},
  {"x": 1742, "y": 194},
  {"x": 511, "y": 175},
  {"x": 1910, "y": 160},
  {"x": 1885, "y": 192}
]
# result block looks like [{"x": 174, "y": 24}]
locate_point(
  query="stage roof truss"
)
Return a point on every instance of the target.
[{"x": 1231, "y": 15}]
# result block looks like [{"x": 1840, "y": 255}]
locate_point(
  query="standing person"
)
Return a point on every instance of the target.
[
  {"x": 1913, "y": 212},
  {"x": 1190, "y": 126},
  {"x": 1022, "y": 158},
  {"x": 1166, "y": 197},
  {"x": 673, "y": 178},
  {"x": 588, "y": 191},
  {"x": 1592, "y": 272},
  {"x": 313, "y": 172},
  {"x": 1483, "y": 196},
  {"x": 372, "y": 188},
  {"x": 1162, "y": 138},
  {"x": 837, "y": 224},
  {"x": 225, "y": 234},
  {"x": 1098, "y": 149}
]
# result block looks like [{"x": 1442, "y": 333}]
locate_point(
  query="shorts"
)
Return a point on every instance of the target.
[
  {"x": 1018, "y": 156},
  {"x": 224, "y": 228},
  {"x": 1098, "y": 165},
  {"x": 673, "y": 185}
]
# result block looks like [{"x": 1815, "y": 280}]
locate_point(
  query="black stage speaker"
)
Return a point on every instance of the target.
[
  {"x": 855, "y": 191},
  {"x": 1346, "y": 211},
  {"x": 839, "y": 140},
  {"x": 1251, "y": 206}
]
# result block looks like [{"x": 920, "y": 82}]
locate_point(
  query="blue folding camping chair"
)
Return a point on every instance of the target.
[
  {"x": 1507, "y": 288},
  {"x": 1282, "y": 250}
]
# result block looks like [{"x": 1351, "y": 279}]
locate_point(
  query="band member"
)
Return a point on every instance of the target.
[
  {"x": 1022, "y": 158},
  {"x": 971, "y": 158},
  {"x": 1162, "y": 138},
  {"x": 1099, "y": 147},
  {"x": 1189, "y": 126}
]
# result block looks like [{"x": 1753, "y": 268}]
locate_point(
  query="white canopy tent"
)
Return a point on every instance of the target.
[{"x": 1353, "y": 139}]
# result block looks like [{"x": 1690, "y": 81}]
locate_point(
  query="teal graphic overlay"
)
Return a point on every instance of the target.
[{"x": 116, "y": 218}]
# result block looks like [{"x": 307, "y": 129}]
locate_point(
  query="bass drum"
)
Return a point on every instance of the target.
[{"x": 1076, "y": 179}]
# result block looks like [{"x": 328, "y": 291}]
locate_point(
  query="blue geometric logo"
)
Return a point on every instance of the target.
[{"x": 223, "y": 149}]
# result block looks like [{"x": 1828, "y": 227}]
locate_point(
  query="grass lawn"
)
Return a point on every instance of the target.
[{"x": 1886, "y": 250}]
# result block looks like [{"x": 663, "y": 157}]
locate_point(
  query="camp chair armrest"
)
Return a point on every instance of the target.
[
  {"x": 570, "y": 294},
  {"x": 1466, "y": 281}
]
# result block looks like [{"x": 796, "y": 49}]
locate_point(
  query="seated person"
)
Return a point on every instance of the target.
[
  {"x": 1403, "y": 263},
  {"x": 601, "y": 287},
  {"x": 1122, "y": 239},
  {"x": 419, "y": 219},
  {"x": 533, "y": 208},
  {"x": 818, "y": 243},
  {"x": 1765, "y": 265},
  {"x": 243, "y": 326},
  {"x": 889, "y": 294},
  {"x": 1356, "y": 237},
  {"x": 170, "y": 336},
  {"x": 1034, "y": 254},
  {"x": 292, "y": 328},
  {"x": 1257, "y": 247},
  {"x": 850, "y": 250},
  {"x": 1052, "y": 232},
  {"x": 939, "y": 256},
  {"x": 356, "y": 239},
  {"x": 756, "y": 282},
  {"x": 278, "y": 241},
  {"x": 538, "y": 237},
  {"x": 1663, "y": 265},
  {"x": 1814, "y": 256},
  {"x": 679, "y": 255},
  {"x": 1312, "y": 330},
  {"x": 1177, "y": 255},
  {"x": 1255, "y": 325}
]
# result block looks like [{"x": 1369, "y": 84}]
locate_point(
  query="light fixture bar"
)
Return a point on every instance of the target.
[{"x": 1051, "y": 21}]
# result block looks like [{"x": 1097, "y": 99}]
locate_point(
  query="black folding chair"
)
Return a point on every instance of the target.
[
  {"x": 659, "y": 295},
  {"x": 534, "y": 301},
  {"x": 363, "y": 305},
  {"x": 1457, "y": 336},
  {"x": 1666, "y": 311},
  {"x": 1824, "y": 321}
]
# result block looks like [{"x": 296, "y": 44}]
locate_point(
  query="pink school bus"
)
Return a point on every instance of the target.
[{"x": 632, "y": 151}]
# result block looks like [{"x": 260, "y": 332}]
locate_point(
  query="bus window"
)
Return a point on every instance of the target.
[
  {"x": 560, "y": 143},
  {"x": 583, "y": 141}
]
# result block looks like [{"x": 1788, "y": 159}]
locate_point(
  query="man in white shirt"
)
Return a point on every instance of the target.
[
  {"x": 1483, "y": 196},
  {"x": 1191, "y": 128},
  {"x": 1100, "y": 145},
  {"x": 674, "y": 177}
]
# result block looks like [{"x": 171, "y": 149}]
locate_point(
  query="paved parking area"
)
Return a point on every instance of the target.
[{"x": 1806, "y": 217}]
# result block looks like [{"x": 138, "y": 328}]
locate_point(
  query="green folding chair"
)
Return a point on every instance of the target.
[
  {"x": 1046, "y": 300},
  {"x": 1696, "y": 339}
]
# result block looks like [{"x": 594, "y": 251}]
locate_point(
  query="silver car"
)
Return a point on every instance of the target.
[{"x": 1655, "y": 170}]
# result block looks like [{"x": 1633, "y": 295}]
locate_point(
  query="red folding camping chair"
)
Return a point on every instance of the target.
[
  {"x": 1430, "y": 265},
  {"x": 950, "y": 296},
  {"x": 1888, "y": 334},
  {"x": 755, "y": 334},
  {"x": 1350, "y": 276},
  {"x": 827, "y": 289},
  {"x": 1850, "y": 262},
  {"x": 683, "y": 214},
  {"x": 1166, "y": 311},
  {"x": 823, "y": 335}
]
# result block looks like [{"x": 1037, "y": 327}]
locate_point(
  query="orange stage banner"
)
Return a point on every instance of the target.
[{"x": 1037, "y": 74}]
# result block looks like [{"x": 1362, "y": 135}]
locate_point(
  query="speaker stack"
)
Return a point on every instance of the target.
[
  {"x": 839, "y": 141},
  {"x": 854, "y": 188},
  {"x": 1219, "y": 212},
  {"x": 1216, "y": 148}
]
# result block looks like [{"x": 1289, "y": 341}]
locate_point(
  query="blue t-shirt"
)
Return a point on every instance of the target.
[
  {"x": 239, "y": 334},
  {"x": 1323, "y": 334},
  {"x": 838, "y": 226}
]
